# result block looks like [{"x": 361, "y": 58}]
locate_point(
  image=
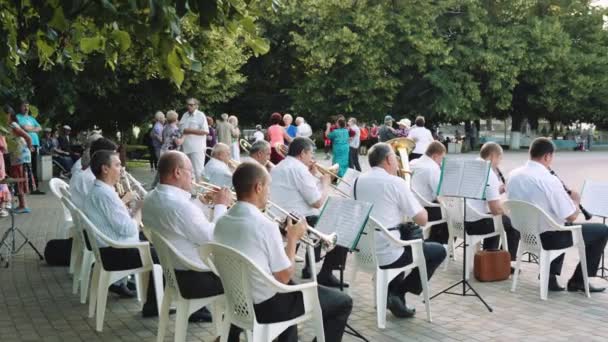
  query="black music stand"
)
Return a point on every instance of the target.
[
  {"x": 8, "y": 239},
  {"x": 466, "y": 286}
]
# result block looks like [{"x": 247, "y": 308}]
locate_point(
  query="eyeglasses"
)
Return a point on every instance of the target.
[{"x": 191, "y": 104}]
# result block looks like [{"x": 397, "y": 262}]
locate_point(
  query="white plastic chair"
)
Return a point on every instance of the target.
[
  {"x": 426, "y": 230},
  {"x": 236, "y": 271},
  {"x": 85, "y": 257},
  {"x": 453, "y": 207},
  {"x": 529, "y": 219},
  {"x": 365, "y": 260},
  {"x": 167, "y": 253},
  {"x": 102, "y": 279},
  {"x": 57, "y": 185}
]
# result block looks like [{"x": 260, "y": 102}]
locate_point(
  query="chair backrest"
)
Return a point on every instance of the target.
[
  {"x": 93, "y": 233},
  {"x": 365, "y": 256},
  {"x": 453, "y": 207},
  {"x": 423, "y": 202},
  {"x": 58, "y": 187},
  {"x": 529, "y": 220},
  {"x": 236, "y": 272},
  {"x": 78, "y": 227},
  {"x": 167, "y": 253}
]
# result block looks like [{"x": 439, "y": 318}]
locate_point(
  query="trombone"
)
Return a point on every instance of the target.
[
  {"x": 328, "y": 242},
  {"x": 332, "y": 171}
]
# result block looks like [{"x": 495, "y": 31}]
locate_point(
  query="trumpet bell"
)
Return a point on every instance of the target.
[
  {"x": 403, "y": 147},
  {"x": 334, "y": 168}
]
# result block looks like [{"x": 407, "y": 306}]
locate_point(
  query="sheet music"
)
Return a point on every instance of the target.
[
  {"x": 463, "y": 178},
  {"x": 594, "y": 198},
  {"x": 349, "y": 177},
  {"x": 346, "y": 217}
]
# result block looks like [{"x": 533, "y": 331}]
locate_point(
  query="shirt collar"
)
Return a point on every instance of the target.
[
  {"x": 378, "y": 169},
  {"x": 536, "y": 165},
  {"x": 103, "y": 185},
  {"x": 246, "y": 206},
  {"x": 173, "y": 190}
]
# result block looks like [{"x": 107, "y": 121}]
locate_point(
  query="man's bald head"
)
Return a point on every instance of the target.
[
  {"x": 221, "y": 152},
  {"x": 168, "y": 163}
]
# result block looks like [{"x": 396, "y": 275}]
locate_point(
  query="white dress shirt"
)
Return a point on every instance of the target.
[
  {"x": 423, "y": 138},
  {"x": 294, "y": 188},
  {"x": 170, "y": 211},
  {"x": 109, "y": 214},
  {"x": 393, "y": 200},
  {"x": 304, "y": 130},
  {"x": 355, "y": 141},
  {"x": 425, "y": 177},
  {"x": 247, "y": 230},
  {"x": 218, "y": 173},
  {"x": 258, "y": 135},
  {"x": 492, "y": 194},
  {"x": 533, "y": 183},
  {"x": 77, "y": 167},
  {"x": 80, "y": 186},
  {"x": 194, "y": 143}
]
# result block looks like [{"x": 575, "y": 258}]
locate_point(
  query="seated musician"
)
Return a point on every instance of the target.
[
  {"x": 82, "y": 182},
  {"x": 170, "y": 212},
  {"x": 297, "y": 190},
  {"x": 476, "y": 225},
  {"x": 217, "y": 170},
  {"x": 110, "y": 215},
  {"x": 249, "y": 231},
  {"x": 534, "y": 183},
  {"x": 260, "y": 152},
  {"x": 84, "y": 159},
  {"x": 393, "y": 200},
  {"x": 426, "y": 172}
]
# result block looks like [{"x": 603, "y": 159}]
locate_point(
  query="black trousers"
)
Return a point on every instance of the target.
[
  {"x": 595, "y": 236},
  {"x": 353, "y": 158},
  {"x": 335, "y": 306},
  {"x": 434, "y": 253},
  {"x": 34, "y": 180},
  {"x": 193, "y": 285},
  {"x": 439, "y": 232},
  {"x": 413, "y": 156},
  {"x": 486, "y": 226},
  {"x": 334, "y": 260}
]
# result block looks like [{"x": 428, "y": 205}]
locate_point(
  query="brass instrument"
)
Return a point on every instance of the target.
[
  {"x": 246, "y": 146},
  {"x": 403, "y": 147},
  {"x": 232, "y": 164},
  {"x": 332, "y": 172},
  {"x": 327, "y": 241}
]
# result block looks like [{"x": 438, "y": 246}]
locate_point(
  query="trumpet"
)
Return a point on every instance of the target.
[
  {"x": 327, "y": 241},
  {"x": 331, "y": 171},
  {"x": 246, "y": 146}
]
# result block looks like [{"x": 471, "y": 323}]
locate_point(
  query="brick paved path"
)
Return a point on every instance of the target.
[{"x": 36, "y": 303}]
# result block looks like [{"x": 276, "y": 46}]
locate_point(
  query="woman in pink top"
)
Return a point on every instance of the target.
[{"x": 277, "y": 137}]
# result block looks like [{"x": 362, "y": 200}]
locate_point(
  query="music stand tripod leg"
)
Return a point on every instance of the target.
[{"x": 349, "y": 329}]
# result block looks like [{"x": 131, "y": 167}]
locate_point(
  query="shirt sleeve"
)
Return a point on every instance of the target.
[
  {"x": 434, "y": 176},
  {"x": 115, "y": 211},
  {"x": 204, "y": 124},
  {"x": 306, "y": 185},
  {"x": 493, "y": 188},
  {"x": 35, "y": 122},
  {"x": 218, "y": 211},
  {"x": 408, "y": 203},
  {"x": 559, "y": 200},
  {"x": 194, "y": 224},
  {"x": 277, "y": 258}
]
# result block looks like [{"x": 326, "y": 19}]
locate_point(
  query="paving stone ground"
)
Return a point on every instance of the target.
[{"x": 36, "y": 303}]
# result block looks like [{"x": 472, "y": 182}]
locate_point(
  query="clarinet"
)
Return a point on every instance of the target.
[
  {"x": 585, "y": 213},
  {"x": 501, "y": 176}
]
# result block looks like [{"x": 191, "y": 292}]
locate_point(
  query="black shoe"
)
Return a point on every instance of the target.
[
  {"x": 122, "y": 291},
  {"x": 306, "y": 273},
  {"x": 202, "y": 315},
  {"x": 329, "y": 280},
  {"x": 575, "y": 286},
  {"x": 131, "y": 286},
  {"x": 37, "y": 192},
  {"x": 554, "y": 285},
  {"x": 398, "y": 307}
]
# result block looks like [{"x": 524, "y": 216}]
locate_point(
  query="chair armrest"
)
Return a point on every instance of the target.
[{"x": 432, "y": 223}]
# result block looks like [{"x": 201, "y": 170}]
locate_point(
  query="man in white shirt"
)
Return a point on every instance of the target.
[
  {"x": 110, "y": 215},
  {"x": 296, "y": 190},
  {"x": 246, "y": 229},
  {"x": 82, "y": 182},
  {"x": 194, "y": 127},
  {"x": 303, "y": 128},
  {"x": 535, "y": 183},
  {"x": 217, "y": 170},
  {"x": 260, "y": 153},
  {"x": 258, "y": 134},
  {"x": 170, "y": 211},
  {"x": 422, "y": 136},
  {"x": 393, "y": 200},
  {"x": 426, "y": 172},
  {"x": 354, "y": 143}
]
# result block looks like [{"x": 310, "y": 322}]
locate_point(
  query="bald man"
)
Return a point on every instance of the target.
[
  {"x": 217, "y": 170},
  {"x": 170, "y": 211}
]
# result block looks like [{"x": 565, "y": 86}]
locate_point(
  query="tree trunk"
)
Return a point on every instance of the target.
[
  {"x": 516, "y": 120},
  {"x": 533, "y": 127}
]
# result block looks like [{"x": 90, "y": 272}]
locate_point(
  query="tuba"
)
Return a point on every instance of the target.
[{"x": 403, "y": 147}]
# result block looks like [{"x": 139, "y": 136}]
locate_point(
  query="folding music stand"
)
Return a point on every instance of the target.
[
  {"x": 456, "y": 176},
  {"x": 594, "y": 198},
  {"x": 8, "y": 239}
]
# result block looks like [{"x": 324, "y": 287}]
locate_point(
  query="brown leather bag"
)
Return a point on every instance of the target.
[{"x": 492, "y": 265}]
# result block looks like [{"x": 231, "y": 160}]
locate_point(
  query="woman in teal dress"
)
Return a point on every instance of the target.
[{"x": 339, "y": 142}]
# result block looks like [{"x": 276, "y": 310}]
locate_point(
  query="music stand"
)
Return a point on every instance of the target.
[
  {"x": 342, "y": 214},
  {"x": 8, "y": 239},
  {"x": 455, "y": 177},
  {"x": 594, "y": 199}
]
